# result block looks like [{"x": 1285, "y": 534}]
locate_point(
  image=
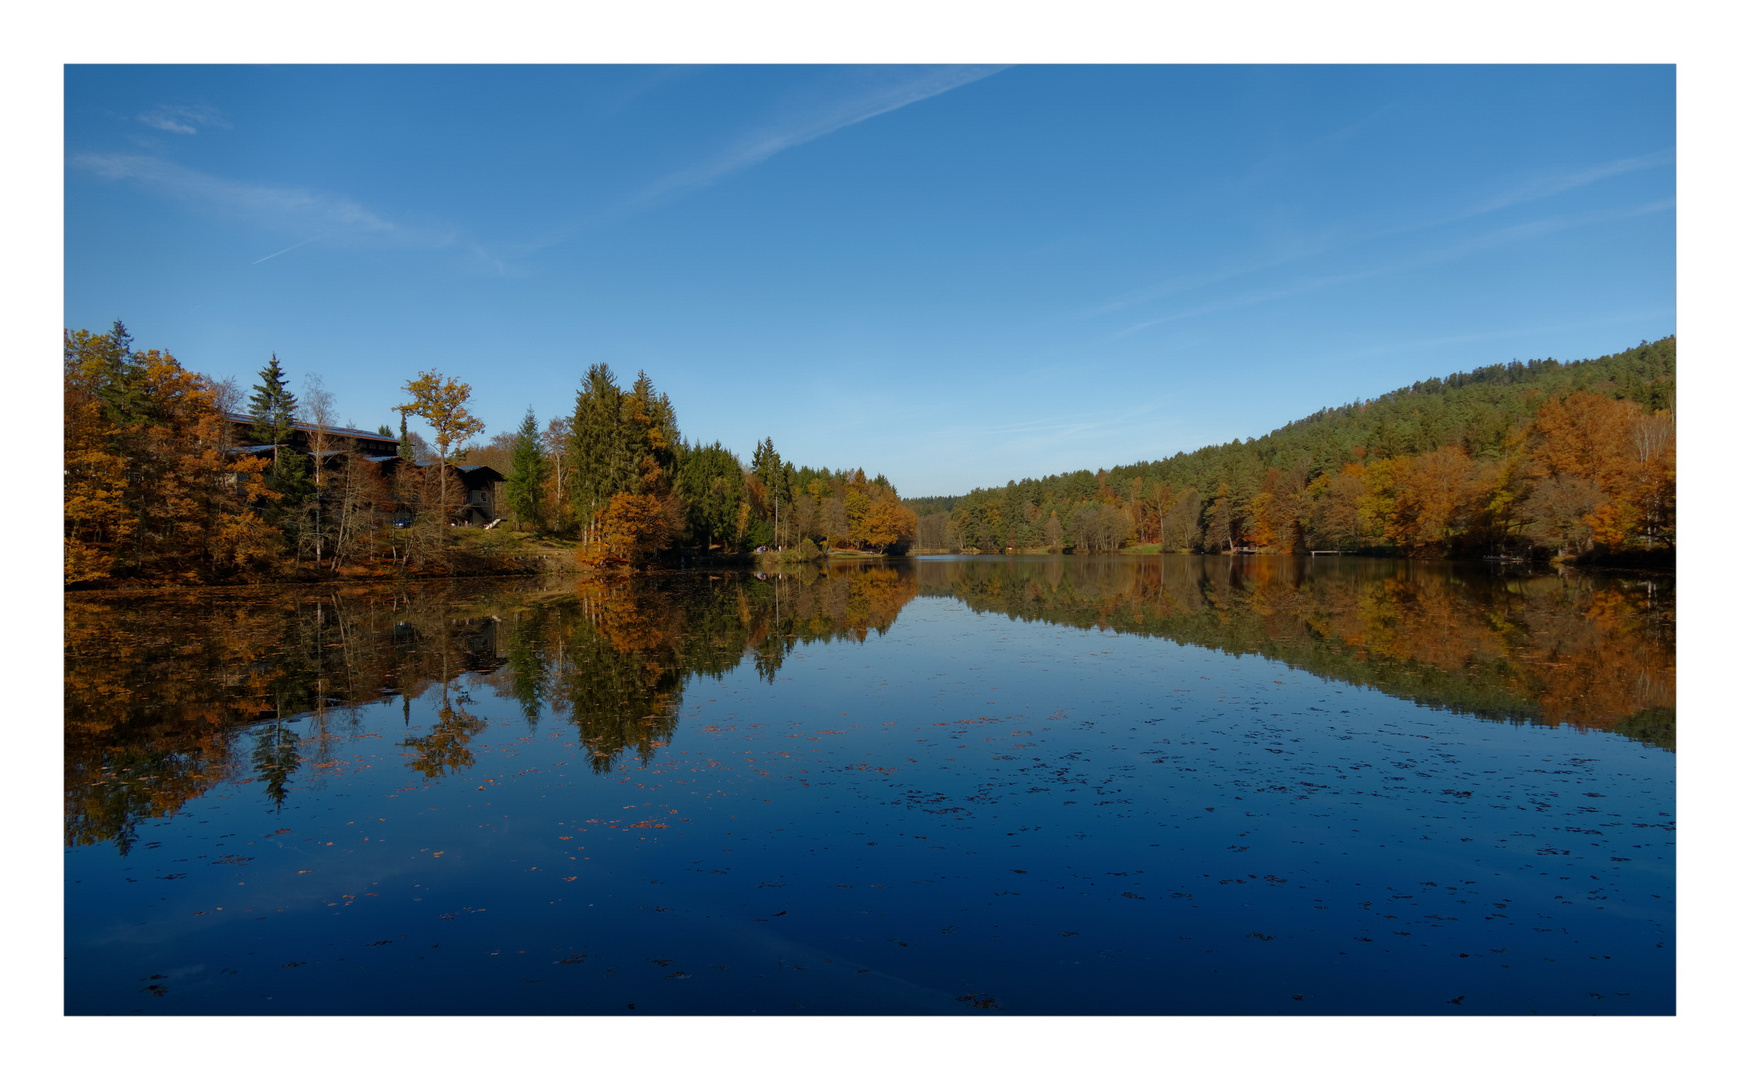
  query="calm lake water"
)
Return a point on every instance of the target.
[{"x": 1064, "y": 785}]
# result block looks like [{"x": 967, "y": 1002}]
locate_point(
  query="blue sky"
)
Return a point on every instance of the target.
[{"x": 953, "y": 276}]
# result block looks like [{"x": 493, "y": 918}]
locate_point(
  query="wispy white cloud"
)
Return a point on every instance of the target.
[
  {"x": 1541, "y": 187},
  {"x": 183, "y": 119},
  {"x": 1495, "y": 238},
  {"x": 1185, "y": 283},
  {"x": 886, "y": 91},
  {"x": 284, "y": 209},
  {"x": 1252, "y": 299}
]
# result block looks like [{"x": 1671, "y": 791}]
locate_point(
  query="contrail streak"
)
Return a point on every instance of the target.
[{"x": 275, "y": 254}]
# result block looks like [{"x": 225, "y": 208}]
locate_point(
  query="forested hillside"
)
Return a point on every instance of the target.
[{"x": 1542, "y": 457}]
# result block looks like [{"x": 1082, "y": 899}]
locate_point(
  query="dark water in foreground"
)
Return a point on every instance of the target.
[{"x": 1074, "y": 785}]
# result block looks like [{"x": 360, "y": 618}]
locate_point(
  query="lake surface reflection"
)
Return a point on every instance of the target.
[{"x": 1038, "y": 785}]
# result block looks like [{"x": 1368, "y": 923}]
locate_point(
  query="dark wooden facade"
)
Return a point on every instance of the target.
[
  {"x": 477, "y": 500},
  {"x": 475, "y": 487}
]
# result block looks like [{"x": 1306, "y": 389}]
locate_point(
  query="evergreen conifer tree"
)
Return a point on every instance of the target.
[
  {"x": 272, "y": 406},
  {"x": 120, "y": 381},
  {"x": 595, "y": 434},
  {"x": 527, "y": 469}
]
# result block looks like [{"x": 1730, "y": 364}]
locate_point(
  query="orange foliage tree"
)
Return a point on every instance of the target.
[
  {"x": 631, "y": 530},
  {"x": 1600, "y": 472},
  {"x": 150, "y": 490},
  {"x": 886, "y": 521}
]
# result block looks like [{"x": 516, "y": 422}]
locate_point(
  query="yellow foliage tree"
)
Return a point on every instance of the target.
[{"x": 441, "y": 402}]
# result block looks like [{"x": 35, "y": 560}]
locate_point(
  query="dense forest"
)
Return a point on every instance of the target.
[
  {"x": 1540, "y": 458},
  {"x": 173, "y": 477}
]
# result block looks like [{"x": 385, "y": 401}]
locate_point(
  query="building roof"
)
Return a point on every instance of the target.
[
  {"x": 474, "y": 472},
  {"x": 342, "y": 432}
]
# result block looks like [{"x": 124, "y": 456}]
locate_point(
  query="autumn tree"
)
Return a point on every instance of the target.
[
  {"x": 631, "y": 530},
  {"x": 1334, "y": 512},
  {"x": 149, "y": 488},
  {"x": 1652, "y": 447},
  {"x": 359, "y": 510},
  {"x": 441, "y": 403},
  {"x": 886, "y": 522}
]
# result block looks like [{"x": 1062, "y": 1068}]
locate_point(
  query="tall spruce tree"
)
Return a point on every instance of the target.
[
  {"x": 773, "y": 474},
  {"x": 272, "y": 406},
  {"x": 527, "y": 470},
  {"x": 120, "y": 380},
  {"x": 598, "y": 469},
  {"x": 652, "y": 431}
]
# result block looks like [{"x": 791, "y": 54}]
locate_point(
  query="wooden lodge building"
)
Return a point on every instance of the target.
[{"x": 477, "y": 485}]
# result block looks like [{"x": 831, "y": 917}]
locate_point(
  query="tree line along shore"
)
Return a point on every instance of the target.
[
  {"x": 1536, "y": 460},
  {"x": 174, "y": 478}
]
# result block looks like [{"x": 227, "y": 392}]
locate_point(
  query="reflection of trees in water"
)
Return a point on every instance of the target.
[
  {"x": 615, "y": 656},
  {"x": 275, "y": 758},
  {"x": 443, "y": 751},
  {"x": 1575, "y": 649},
  {"x": 167, "y": 697}
]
